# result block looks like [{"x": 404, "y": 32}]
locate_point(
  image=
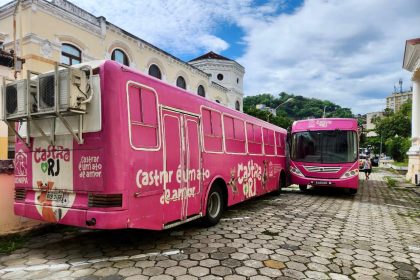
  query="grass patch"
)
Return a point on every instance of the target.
[
  {"x": 392, "y": 183},
  {"x": 13, "y": 242},
  {"x": 401, "y": 164},
  {"x": 411, "y": 214}
]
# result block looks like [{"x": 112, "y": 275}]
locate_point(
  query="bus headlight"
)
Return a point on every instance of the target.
[
  {"x": 350, "y": 173},
  {"x": 296, "y": 171}
]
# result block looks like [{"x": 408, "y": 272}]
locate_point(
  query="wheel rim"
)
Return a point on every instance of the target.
[{"x": 214, "y": 204}]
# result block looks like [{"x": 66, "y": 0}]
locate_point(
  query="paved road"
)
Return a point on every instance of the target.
[{"x": 322, "y": 234}]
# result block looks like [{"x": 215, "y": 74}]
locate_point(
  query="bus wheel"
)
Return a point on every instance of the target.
[
  {"x": 282, "y": 184},
  {"x": 303, "y": 187},
  {"x": 352, "y": 191},
  {"x": 214, "y": 206}
]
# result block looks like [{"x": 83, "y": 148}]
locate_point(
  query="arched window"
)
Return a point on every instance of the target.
[
  {"x": 180, "y": 82},
  {"x": 70, "y": 55},
  {"x": 201, "y": 91},
  {"x": 217, "y": 101},
  {"x": 155, "y": 71},
  {"x": 237, "y": 106},
  {"x": 120, "y": 56}
]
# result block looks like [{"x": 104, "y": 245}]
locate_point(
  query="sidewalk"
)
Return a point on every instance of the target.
[{"x": 319, "y": 234}]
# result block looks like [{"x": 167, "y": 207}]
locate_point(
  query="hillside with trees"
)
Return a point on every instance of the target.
[{"x": 297, "y": 108}]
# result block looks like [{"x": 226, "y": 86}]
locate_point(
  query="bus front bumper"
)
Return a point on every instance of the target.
[
  {"x": 350, "y": 183},
  {"x": 95, "y": 219}
]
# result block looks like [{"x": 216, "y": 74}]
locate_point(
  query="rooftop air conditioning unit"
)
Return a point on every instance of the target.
[
  {"x": 15, "y": 99},
  {"x": 73, "y": 89}
]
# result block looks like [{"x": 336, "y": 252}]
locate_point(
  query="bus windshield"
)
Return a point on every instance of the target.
[{"x": 324, "y": 146}]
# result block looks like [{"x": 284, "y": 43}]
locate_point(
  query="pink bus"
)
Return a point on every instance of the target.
[
  {"x": 136, "y": 152},
  {"x": 324, "y": 152}
]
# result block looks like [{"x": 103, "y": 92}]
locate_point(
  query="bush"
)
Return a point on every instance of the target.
[{"x": 398, "y": 147}]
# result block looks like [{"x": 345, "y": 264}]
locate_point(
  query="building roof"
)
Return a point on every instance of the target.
[
  {"x": 411, "y": 54},
  {"x": 211, "y": 55}
]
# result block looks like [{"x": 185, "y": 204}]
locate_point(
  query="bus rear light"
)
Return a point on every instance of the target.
[
  {"x": 105, "y": 200},
  {"x": 20, "y": 194},
  {"x": 350, "y": 173},
  {"x": 296, "y": 171}
]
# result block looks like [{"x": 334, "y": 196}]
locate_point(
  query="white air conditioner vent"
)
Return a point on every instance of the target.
[
  {"x": 73, "y": 87},
  {"x": 15, "y": 99},
  {"x": 46, "y": 92}
]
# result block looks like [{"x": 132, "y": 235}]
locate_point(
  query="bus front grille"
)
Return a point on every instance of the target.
[
  {"x": 323, "y": 169},
  {"x": 20, "y": 194},
  {"x": 105, "y": 200}
]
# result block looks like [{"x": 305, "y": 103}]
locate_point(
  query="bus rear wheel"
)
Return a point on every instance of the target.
[
  {"x": 282, "y": 184},
  {"x": 303, "y": 187},
  {"x": 214, "y": 208}
]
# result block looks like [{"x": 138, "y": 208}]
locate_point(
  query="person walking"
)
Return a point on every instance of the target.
[{"x": 367, "y": 168}]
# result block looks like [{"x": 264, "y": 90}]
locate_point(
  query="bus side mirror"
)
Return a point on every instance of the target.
[{"x": 289, "y": 136}]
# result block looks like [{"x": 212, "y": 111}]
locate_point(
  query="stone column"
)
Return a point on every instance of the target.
[{"x": 414, "y": 152}]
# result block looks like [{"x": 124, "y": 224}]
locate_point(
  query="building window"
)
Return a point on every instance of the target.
[
  {"x": 201, "y": 91},
  {"x": 217, "y": 101},
  {"x": 120, "y": 56},
  {"x": 180, "y": 82},
  {"x": 237, "y": 106},
  {"x": 70, "y": 55},
  {"x": 237, "y": 80},
  {"x": 220, "y": 77},
  {"x": 155, "y": 71}
]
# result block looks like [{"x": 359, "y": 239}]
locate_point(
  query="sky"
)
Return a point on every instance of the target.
[{"x": 349, "y": 52}]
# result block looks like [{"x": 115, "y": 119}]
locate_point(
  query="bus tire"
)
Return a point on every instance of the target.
[
  {"x": 282, "y": 183},
  {"x": 214, "y": 207},
  {"x": 353, "y": 191},
  {"x": 303, "y": 187}
]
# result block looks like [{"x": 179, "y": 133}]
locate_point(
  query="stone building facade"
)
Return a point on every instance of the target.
[
  {"x": 396, "y": 99},
  {"x": 411, "y": 63},
  {"x": 57, "y": 30},
  {"x": 370, "y": 125}
]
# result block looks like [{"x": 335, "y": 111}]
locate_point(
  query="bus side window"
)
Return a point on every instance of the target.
[
  {"x": 143, "y": 118},
  {"x": 234, "y": 135},
  {"x": 268, "y": 141},
  {"x": 212, "y": 130},
  {"x": 254, "y": 138},
  {"x": 280, "y": 145}
]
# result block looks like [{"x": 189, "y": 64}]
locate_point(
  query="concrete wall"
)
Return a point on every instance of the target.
[{"x": 8, "y": 221}]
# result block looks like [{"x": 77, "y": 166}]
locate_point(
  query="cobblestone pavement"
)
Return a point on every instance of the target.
[{"x": 321, "y": 234}]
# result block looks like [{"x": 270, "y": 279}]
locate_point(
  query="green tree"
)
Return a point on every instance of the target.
[
  {"x": 300, "y": 108},
  {"x": 397, "y": 147},
  {"x": 395, "y": 131}
]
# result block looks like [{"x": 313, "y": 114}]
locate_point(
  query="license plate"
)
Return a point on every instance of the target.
[
  {"x": 55, "y": 196},
  {"x": 321, "y": 183}
]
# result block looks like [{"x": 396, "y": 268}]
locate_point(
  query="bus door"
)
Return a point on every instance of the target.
[{"x": 182, "y": 158}]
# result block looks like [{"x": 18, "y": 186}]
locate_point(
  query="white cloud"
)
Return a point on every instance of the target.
[
  {"x": 349, "y": 52},
  {"x": 179, "y": 26}
]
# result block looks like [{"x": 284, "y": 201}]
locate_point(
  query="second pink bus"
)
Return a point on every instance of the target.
[{"x": 324, "y": 152}]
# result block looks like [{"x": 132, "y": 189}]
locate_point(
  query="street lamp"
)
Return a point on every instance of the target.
[{"x": 275, "y": 109}]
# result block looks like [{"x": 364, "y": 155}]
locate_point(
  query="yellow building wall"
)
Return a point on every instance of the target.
[{"x": 50, "y": 28}]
